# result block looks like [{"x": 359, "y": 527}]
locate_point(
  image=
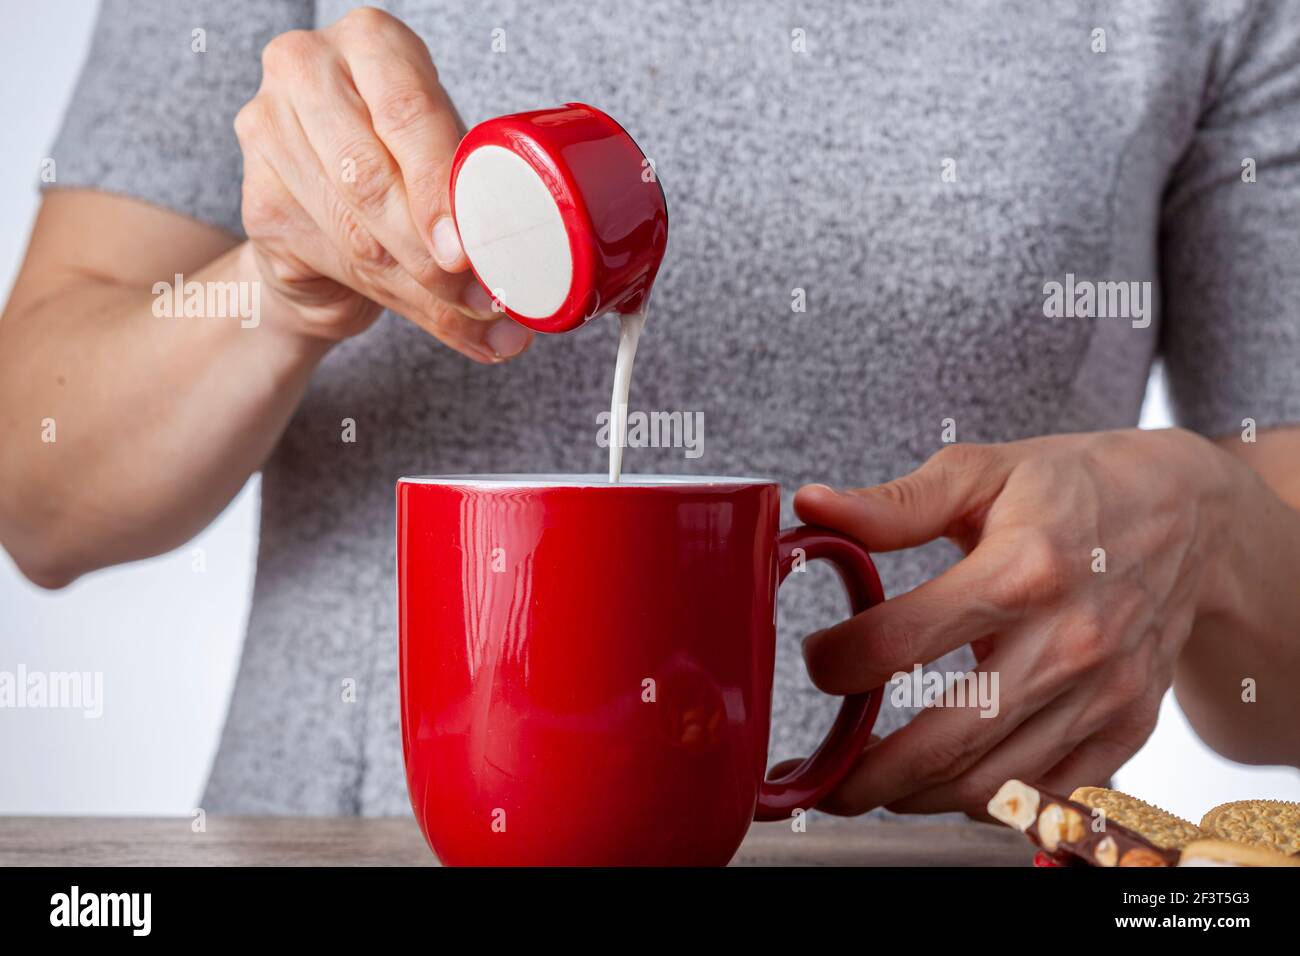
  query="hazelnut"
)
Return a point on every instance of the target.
[
  {"x": 1074, "y": 826},
  {"x": 1051, "y": 827},
  {"x": 1107, "y": 853},
  {"x": 1015, "y": 804},
  {"x": 1141, "y": 856}
]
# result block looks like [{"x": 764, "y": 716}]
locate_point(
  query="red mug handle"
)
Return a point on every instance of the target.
[{"x": 807, "y": 783}]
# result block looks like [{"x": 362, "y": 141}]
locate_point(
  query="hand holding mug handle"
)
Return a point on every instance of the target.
[{"x": 805, "y": 785}]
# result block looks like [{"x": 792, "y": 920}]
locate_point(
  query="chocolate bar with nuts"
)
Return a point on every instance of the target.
[{"x": 1062, "y": 828}]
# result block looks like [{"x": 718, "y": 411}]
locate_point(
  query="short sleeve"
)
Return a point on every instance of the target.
[
  {"x": 153, "y": 110},
  {"x": 1230, "y": 247}
]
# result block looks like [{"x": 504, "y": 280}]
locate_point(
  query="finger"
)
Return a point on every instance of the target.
[
  {"x": 934, "y": 745},
  {"x": 917, "y": 627},
  {"x": 380, "y": 277},
  {"x": 1027, "y": 753},
  {"x": 489, "y": 341},
  {"x": 366, "y": 179},
  {"x": 484, "y": 340},
  {"x": 300, "y": 249},
  {"x": 1053, "y": 709},
  {"x": 941, "y": 743},
  {"x": 946, "y": 497},
  {"x": 1095, "y": 760},
  {"x": 343, "y": 165},
  {"x": 417, "y": 122},
  {"x": 783, "y": 767}
]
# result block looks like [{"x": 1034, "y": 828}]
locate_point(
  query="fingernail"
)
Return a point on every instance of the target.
[
  {"x": 446, "y": 243},
  {"x": 827, "y": 488},
  {"x": 507, "y": 338},
  {"x": 476, "y": 298}
]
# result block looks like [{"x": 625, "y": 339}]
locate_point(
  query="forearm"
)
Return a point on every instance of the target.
[
  {"x": 124, "y": 433},
  {"x": 1237, "y": 676}
]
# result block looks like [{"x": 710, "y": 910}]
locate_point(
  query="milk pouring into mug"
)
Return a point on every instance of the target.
[
  {"x": 562, "y": 219},
  {"x": 630, "y": 325}
]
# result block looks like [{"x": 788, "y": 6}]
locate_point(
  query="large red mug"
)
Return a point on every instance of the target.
[{"x": 586, "y": 667}]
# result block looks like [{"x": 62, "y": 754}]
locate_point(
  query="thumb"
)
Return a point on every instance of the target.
[{"x": 947, "y": 496}]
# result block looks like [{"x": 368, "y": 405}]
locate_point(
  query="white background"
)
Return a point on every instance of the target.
[{"x": 167, "y": 638}]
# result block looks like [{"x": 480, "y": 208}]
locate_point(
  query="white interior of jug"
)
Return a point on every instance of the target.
[{"x": 512, "y": 232}]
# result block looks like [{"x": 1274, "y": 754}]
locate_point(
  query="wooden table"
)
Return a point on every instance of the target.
[{"x": 352, "y": 841}]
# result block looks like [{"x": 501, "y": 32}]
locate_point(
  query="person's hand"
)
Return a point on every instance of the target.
[
  {"x": 347, "y": 157},
  {"x": 1083, "y": 655}
]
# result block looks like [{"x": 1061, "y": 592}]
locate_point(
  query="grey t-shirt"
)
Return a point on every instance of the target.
[{"x": 919, "y": 170}]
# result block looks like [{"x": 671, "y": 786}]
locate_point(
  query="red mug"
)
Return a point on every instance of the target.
[
  {"x": 586, "y": 667},
  {"x": 561, "y": 215}
]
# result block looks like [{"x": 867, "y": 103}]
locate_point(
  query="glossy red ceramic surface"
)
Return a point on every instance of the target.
[
  {"x": 587, "y": 671},
  {"x": 613, "y": 210}
]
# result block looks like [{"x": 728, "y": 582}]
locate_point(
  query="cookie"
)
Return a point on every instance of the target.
[
  {"x": 1064, "y": 829},
  {"x": 1228, "y": 853},
  {"x": 1267, "y": 823},
  {"x": 1160, "y": 827}
]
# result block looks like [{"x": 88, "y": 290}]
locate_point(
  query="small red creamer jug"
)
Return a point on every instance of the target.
[{"x": 560, "y": 214}]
